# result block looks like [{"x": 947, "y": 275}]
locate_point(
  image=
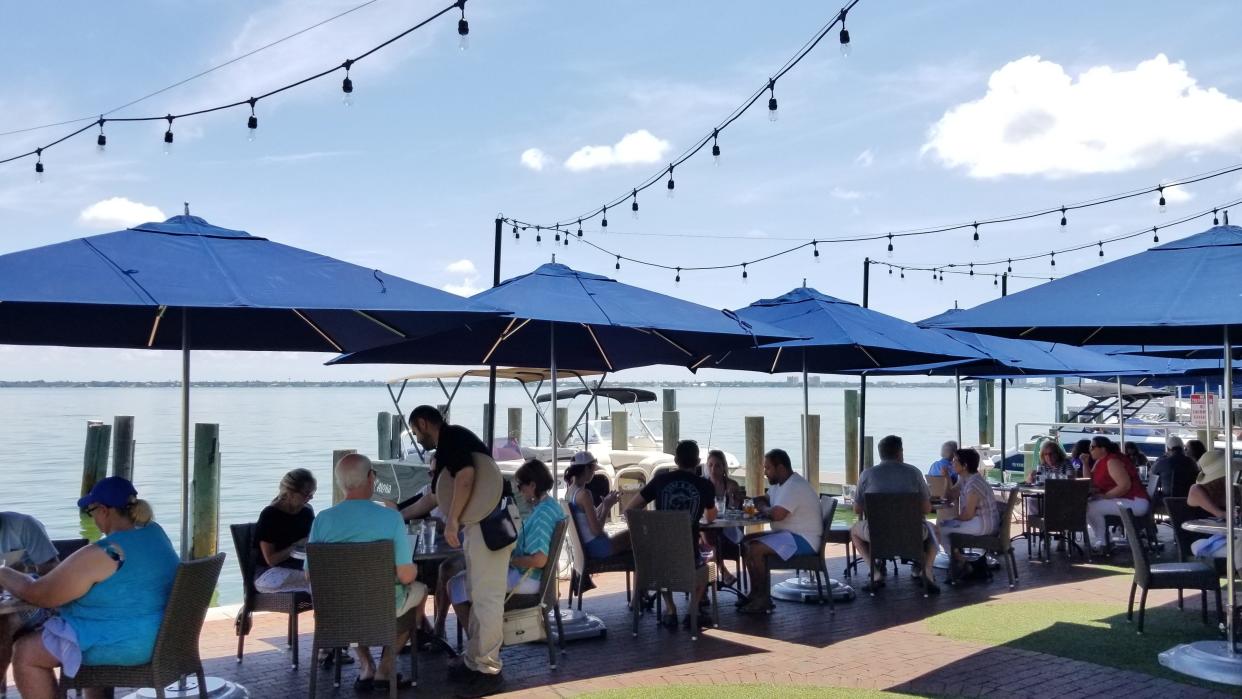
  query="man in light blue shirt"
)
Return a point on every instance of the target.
[
  {"x": 944, "y": 465},
  {"x": 358, "y": 520}
]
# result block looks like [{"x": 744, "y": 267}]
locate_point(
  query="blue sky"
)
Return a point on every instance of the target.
[{"x": 946, "y": 112}]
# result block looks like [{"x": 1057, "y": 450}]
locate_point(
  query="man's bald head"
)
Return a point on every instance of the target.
[{"x": 353, "y": 473}]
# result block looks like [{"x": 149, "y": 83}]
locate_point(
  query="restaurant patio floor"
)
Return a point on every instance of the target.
[{"x": 896, "y": 641}]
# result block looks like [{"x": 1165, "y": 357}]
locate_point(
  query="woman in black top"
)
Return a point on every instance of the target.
[{"x": 283, "y": 526}]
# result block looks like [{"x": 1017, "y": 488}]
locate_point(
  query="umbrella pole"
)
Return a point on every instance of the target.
[
  {"x": 1003, "y": 415},
  {"x": 1230, "y": 535},
  {"x": 555, "y": 437},
  {"x": 957, "y": 377},
  {"x": 806, "y": 412},
  {"x": 185, "y": 435},
  {"x": 1121, "y": 414}
]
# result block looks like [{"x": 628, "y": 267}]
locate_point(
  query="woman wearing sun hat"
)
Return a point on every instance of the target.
[
  {"x": 109, "y": 597},
  {"x": 1208, "y": 492}
]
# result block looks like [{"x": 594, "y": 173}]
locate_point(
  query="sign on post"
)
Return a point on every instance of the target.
[{"x": 1201, "y": 406}]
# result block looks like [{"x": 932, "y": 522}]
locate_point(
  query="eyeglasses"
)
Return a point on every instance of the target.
[{"x": 90, "y": 511}]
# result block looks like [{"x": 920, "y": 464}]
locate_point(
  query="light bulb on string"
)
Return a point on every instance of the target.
[
  {"x": 815, "y": 250},
  {"x": 1052, "y": 259},
  {"x": 890, "y": 270},
  {"x": 745, "y": 275},
  {"x": 1155, "y": 235},
  {"x": 538, "y": 235},
  {"x": 972, "y": 269},
  {"x": 634, "y": 203},
  {"x": 715, "y": 147},
  {"x": 677, "y": 279},
  {"x": 558, "y": 235},
  {"x": 890, "y": 244},
  {"x": 846, "y": 47},
  {"x": 1064, "y": 221},
  {"x": 347, "y": 85},
  {"x": 168, "y": 136},
  {"x": 101, "y": 141},
  {"x": 1161, "y": 203},
  {"x": 252, "y": 124},
  {"x": 1215, "y": 220},
  {"x": 618, "y": 262},
  {"x": 903, "y": 272},
  {"x": 976, "y": 235},
  {"x": 1101, "y": 244},
  {"x": 1009, "y": 267},
  {"x": 604, "y": 223},
  {"x": 671, "y": 184},
  {"x": 579, "y": 228},
  {"x": 463, "y": 28},
  {"x": 995, "y": 280},
  {"x": 516, "y": 235},
  {"x": 772, "y": 113},
  {"x": 39, "y": 165}
]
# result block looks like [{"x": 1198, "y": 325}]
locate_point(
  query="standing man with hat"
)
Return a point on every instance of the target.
[{"x": 467, "y": 486}]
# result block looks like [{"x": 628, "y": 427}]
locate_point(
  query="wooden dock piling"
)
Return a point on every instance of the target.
[
  {"x": 123, "y": 446},
  {"x": 620, "y": 430},
  {"x": 95, "y": 458},
  {"x": 754, "y": 455},
  {"x": 383, "y": 426},
  {"x": 987, "y": 408},
  {"x": 514, "y": 430},
  {"x": 672, "y": 421},
  {"x": 205, "y": 489},
  {"x": 395, "y": 432},
  {"x": 810, "y": 469},
  {"x": 562, "y": 425},
  {"x": 868, "y": 451},
  {"x": 851, "y": 436}
]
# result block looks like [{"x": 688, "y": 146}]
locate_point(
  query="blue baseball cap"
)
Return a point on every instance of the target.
[{"x": 112, "y": 491}]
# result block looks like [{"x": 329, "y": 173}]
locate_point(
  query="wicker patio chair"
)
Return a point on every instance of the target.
[
  {"x": 176, "y": 646},
  {"x": 896, "y": 527},
  {"x": 66, "y": 547},
  {"x": 289, "y": 603},
  {"x": 355, "y": 602},
  {"x": 664, "y": 560},
  {"x": 1194, "y": 575},
  {"x": 1065, "y": 512},
  {"x": 998, "y": 544},
  {"x": 814, "y": 562},
  {"x": 583, "y": 566},
  {"x": 547, "y": 598}
]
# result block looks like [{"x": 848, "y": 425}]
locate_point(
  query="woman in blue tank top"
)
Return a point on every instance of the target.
[{"x": 109, "y": 597}]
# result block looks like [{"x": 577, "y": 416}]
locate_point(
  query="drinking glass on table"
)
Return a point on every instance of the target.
[
  {"x": 429, "y": 536},
  {"x": 748, "y": 507},
  {"x": 720, "y": 505}
]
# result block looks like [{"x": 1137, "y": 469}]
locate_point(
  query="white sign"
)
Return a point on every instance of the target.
[{"x": 1202, "y": 405}]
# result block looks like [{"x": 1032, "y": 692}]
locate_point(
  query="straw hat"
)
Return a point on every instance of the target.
[{"x": 1212, "y": 466}]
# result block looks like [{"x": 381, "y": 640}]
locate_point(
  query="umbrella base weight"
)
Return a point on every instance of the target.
[
  {"x": 1207, "y": 660},
  {"x": 804, "y": 590},
  {"x": 217, "y": 688},
  {"x": 578, "y": 625}
]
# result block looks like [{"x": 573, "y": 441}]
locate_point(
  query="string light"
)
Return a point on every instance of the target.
[
  {"x": 1064, "y": 221},
  {"x": 558, "y": 236},
  {"x": 1052, "y": 258},
  {"x": 604, "y": 222},
  {"x": 463, "y": 28},
  {"x": 1155, "y": 236},
  {"x": 972, "y": 269},
  {"x": 890, "y": 244},
  {"x": 538, "y": 235},
  {"x": 995, "y": 279},
  {"x": 1215, "y": 221},
  {"x": 976, "y": 236},
  {"x": 1101, "y": 244},
  {"x": 890, "y": 270},
  {"x": 516, "y": 235},
  {"x": 252, "y": 124},
  {"x": 715, "y": 147},
  {"x": 634, "y": 204},
  {"x": 579, "y": 228},
  {"x": 101, "y": 141},
  {"x": 772, "y": 113},
  {"x": 168, "y": 135},
  {"x": 903, "y": 272},
  {"x": 677, "y": 279},
  {"x": 744, "y": 273},
  {"x": 39, "y": 165},
  {"x": 347, "y": 85},
  {"x": 1009, "y": 268},
  {"x": 671, "y": 185},
  {"x": 1161, "y": 204},
  {"x": 618, "y": 262},
  {"x": 815, "y": 250},
  {"x": 846, "y": 48}
]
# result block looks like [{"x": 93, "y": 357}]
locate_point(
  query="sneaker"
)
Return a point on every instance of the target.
[{"x": 479, "y": 684}]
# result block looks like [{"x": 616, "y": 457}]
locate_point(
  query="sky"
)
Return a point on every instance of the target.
[{"x": 945, "y": 112}]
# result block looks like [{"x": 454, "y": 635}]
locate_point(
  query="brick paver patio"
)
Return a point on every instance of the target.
[{"x": 879, "y": 643}]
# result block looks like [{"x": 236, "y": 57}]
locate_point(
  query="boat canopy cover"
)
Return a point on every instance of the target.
[
  {"x": 523, "y": 375},
  {"x": 621, "y": 395},
  {"x": 1098, "y": 391}
]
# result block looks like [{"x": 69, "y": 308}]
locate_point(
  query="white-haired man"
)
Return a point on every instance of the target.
[
  {"x": 357, "y": 519},
  {"x": 1176, "y": 471}
]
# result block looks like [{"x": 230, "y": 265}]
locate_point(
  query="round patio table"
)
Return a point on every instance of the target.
[{"x": 1209, "y": 525}]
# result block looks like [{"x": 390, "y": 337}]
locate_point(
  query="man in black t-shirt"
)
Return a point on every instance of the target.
[{"x": 682, "y": 489}]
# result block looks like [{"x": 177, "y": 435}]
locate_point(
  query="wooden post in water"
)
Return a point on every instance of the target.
[
  {"x": 562, "y": 425},
  {"x": 620, "y": 430},
  {"x": 851, "y": 436},
  {"x": 383, "y": 426},
  {"x": 395, "y": 432},
  {"x": 672, "y": 421},
  {"x": 205, "y": 503},
  {"x": 868, "y": 451},
  {"x": 487, "y": 418},
  {"x": 810, "y": 469},
  {"x": 123, "y": 446},
  {"x": 754, "y": 455},
  {"x": 95, "y": 459},
  {"x": 1058, "y": 384},
  {"x": 337, "y": 455},
  {"x": 987, "y": 399},
  {"x": 514, "y": 430}
]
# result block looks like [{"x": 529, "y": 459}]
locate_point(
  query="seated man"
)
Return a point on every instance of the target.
[
  {"x": 682, "y": 489},
  {"x": 1176, "y": 471},
  {"x": 797, "y": 526},
  {"x": 358, "y": 520},
  {"x": 944, "y": 465},
  {"x": 19, "y": 532},
  {"x": 892, "y": 475}
]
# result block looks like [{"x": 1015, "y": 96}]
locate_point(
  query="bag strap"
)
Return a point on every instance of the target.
[{"x": 519, "y": 583}]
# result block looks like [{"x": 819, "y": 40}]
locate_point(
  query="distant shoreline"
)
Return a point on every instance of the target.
[{"x": 376, "y": 384}]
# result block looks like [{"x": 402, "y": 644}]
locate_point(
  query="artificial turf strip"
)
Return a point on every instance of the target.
[
  {"x": 739, "y": 691},
  {"x": 1092, "y": 632}
]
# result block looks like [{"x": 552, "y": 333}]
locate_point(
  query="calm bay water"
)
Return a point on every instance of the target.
[{"x": 264, "y": 432}]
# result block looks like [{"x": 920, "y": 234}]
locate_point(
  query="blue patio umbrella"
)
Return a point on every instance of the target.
[
  {"x": 186, "y": 284},
  {"x": 1185, "y": 292},
  {"x": 567, "y": 318}
]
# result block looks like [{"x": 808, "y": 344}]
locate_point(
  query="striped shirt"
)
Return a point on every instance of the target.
[
  {"x": 985, "y": 507},
  {"x": 536, "y": 534}
]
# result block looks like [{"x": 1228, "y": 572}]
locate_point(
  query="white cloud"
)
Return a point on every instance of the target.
[
  {"x": 119, "y": 212},
  {"x": 846, "y": 194},
  {"x": 534, "y": 159},
  {"x": 465, "y": 288},
  {"x": 1038, "y": 120},
  {"x": 634, "y": 148},
  {"x": 463, "y": 267},
  {"x": 865, "y": 158}
]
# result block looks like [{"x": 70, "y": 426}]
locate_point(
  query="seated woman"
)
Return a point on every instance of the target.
[
  {"x": 724, "y": 543},
  {"x": 1132, "y": 452},
  {"x": 109, "y": 596},
  {"x": 1208, "y": 492},
  {"x": 534, "y": 543},
  {"x": 588, "y": 517},
  {"x": 1114, "y": 482},
  {"x": 1053, "y": 463},
  {"x": 976, "y": 504},
  {"x": 282, "y": 527},
  {"x": 1080, "y": 457}
]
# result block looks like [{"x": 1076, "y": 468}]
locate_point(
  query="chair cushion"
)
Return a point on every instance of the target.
[{"x": 1191, "y": 574}]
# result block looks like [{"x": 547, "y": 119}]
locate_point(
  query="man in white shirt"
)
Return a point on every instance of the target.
[{"x": 797, "y": 527}]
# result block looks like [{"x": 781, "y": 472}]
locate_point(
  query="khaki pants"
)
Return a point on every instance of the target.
[{"x": 486, "y": 575}]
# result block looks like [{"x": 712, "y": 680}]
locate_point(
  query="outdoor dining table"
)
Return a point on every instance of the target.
[
  {"x": 1207, "y": 525},
  {"x": 14, "y": 605},
  {"x": 730, "y": 519}
]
